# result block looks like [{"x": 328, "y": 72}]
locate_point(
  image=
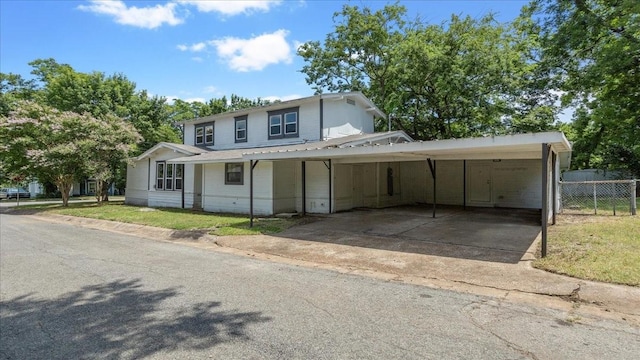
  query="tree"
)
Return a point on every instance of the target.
[
  {"x": 61, "y": 146},
  {"x": 593, "y": 48},
  {"x": 466, "y": 77}
]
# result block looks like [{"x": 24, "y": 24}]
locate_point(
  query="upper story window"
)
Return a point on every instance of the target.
[
  {"x": 204, "y": 134},
  {"x": 283, "y": 123},
  {"x": 241, "y": 129},
  {"x": 168, "y": 176}
]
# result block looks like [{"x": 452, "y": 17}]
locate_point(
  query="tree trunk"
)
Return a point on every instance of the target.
[{"x": 65, "y": 184}]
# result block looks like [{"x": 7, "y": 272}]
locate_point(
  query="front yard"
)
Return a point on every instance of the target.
[
  {"x": 601, "y": 248},
  {"x": 177, "y": 219}
]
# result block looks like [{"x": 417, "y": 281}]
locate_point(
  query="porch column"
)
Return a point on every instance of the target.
[
  {"x": 545, "y": 197},
  {"x": 304, "y": 188},
  {"x": 554, "y": 187},
  {"x": 432, "y": 167},
  {"x": 252, "y": 165},
  {"x": 330, "y": 187}
]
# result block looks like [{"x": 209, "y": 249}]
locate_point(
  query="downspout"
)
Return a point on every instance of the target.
[
  {"x": 149, "y": 177},
  {"x": 554, "y": 184}
]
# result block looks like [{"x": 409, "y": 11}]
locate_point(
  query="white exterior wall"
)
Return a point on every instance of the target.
[
  {"x": 342, "y": 119},
  {"x": 137, "y": 190},
  {"x": 218, "y": 197},
  {"x": 317, "y": 188},
  {"x": 258, "y": 129},
  {"x": 343, "y": 187},
  {"x": 285, "y": 186},
  {"x": 141, "y": 182}
]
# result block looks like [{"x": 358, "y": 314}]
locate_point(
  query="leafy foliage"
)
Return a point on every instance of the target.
[
  {"x": 593, "y": 48},
  {"x": 467, "y": 77},
  {"x": 62, "y": 146}
]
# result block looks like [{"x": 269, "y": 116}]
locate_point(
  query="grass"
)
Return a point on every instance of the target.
[
  {"x": 176, "y": 219},
  {"x": 601, "y": 248}
]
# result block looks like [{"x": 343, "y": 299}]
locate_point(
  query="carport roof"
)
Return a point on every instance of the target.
[{"x": 521, "y": 146}]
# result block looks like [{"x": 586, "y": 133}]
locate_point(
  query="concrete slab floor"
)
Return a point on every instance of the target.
[{"x": 486, "y": 234}]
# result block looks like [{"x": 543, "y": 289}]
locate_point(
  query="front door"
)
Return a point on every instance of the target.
[{"x": 479, "y": 183}]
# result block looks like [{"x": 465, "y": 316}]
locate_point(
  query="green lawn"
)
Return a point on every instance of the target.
[
  {"x": 602, "y": 248},
  {"x": 177, "y": 219}
]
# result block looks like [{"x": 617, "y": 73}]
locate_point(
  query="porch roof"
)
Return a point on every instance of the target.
[
  {"x": 216, "y": 156},
  {"x": 180, "y": 148}
]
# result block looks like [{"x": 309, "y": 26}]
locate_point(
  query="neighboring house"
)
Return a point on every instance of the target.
[{"x": 320, "y": 154}]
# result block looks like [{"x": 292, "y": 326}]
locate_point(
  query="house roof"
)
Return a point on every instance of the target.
[
  {"x": 341, "y": 142},
  {"x": 521, "y": 146},
  {"x": 356, "y": 95},
  {"x": 181, "y": 148}
]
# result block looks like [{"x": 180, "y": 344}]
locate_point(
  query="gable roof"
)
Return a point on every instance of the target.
[
  {"x": 341, "y": 142},
  {"x": 181, "y": 148},
  {"x": 355, "y": 95}
]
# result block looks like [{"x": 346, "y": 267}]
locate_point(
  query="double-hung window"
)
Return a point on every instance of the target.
[
  {"x": 204, "y": 134},
  {"x": 283, "y": 123},
  {"x": 234, "y": 174},
  {"x": 169, "y": 176},
  {"x": 241, "y": 129}
]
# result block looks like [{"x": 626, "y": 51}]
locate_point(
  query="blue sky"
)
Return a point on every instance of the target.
[{"x": 192, "y": 50}]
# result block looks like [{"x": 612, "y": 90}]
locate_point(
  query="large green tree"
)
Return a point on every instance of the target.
[
  {"x": 593, "y": 47},
  {"x": 466, "y": 77},
  {"x": 62, "y": 146}
]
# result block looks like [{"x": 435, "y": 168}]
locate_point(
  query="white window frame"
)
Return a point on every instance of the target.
[
  {"x": 167, "y": 179},
  {"x": 240, "y": 120}
]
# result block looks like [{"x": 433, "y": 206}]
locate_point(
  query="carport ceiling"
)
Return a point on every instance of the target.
[{"x": 522, "y": 146}]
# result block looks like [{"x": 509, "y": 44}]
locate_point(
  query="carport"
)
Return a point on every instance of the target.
[{"x": 520, "y": 162}]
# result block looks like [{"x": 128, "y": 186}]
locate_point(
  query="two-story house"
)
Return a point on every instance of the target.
[
  {"x": 208, "y": 171},
  {"x": 320, "y": 154}
]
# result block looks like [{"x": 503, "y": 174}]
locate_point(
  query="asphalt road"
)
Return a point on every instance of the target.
[{"x": 72, "y": 293}]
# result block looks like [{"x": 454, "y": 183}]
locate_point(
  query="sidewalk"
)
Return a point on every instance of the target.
[{"x": 510, "y": 282}]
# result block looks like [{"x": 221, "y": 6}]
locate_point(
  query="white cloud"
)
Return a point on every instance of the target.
[
  {"x": 197, "y": 59},
  {"x": 145, "y": 17},
  {"x": 197, "y": 47},
  {"x": 210, "y": 89},
  {"x": 255, "y": 53},
  {"x": 232, "y": 7}
]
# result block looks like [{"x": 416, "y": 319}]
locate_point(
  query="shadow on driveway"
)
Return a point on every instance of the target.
[
  {"x": 114, "y": 320},
  {"x": 485, "y": 234}
]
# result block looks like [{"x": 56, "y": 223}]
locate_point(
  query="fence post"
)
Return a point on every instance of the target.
[
  {"x": 633, "y": 197},
  {"x": 595, "y": 200},
  {"x": 560, "y": 198},
  {"x": 614, "y": 198}
]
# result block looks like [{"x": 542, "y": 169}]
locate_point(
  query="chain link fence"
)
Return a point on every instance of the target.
[{"x": 609, "y": 197}]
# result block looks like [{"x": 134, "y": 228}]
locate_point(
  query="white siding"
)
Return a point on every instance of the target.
[
  {"x": 518, "y": 183},
  {"x": 284, "y": 186},
  {"x": 218, "y": 197},
  {"x": 317, "y": 188},
  {"x": 136, "y": 192},
  {"x": 170, "y": 199},
  {"x": 344, "y": 188},
  {"x": 258, "y": 129},
  {"x": 341, "y": 119}
]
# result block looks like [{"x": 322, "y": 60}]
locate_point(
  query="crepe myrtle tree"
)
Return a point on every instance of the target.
[{"x": 63, "y": 147}]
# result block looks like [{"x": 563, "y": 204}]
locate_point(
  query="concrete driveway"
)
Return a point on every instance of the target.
[{"x": 497, "y": 235}]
